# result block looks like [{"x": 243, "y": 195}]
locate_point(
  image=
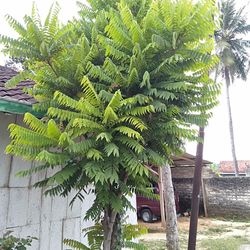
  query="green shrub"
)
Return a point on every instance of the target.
[
  {"x": 10, "y": 242},
  {"x": 95, "y": 236}
]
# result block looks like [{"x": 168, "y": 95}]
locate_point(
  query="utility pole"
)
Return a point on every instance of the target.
[{"x": 196, "y": 192}]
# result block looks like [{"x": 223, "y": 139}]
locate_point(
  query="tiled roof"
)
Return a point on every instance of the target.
[
  {"x": 15, "y": 94},
  {"x": 227, "y": 166}
]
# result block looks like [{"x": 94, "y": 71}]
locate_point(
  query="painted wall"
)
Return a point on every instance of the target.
[{"x": 27, "y": 212}]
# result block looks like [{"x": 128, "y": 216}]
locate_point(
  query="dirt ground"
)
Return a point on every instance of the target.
[
  {"x": 183, "y": 225},
  {"x": 208, "y": 229}
]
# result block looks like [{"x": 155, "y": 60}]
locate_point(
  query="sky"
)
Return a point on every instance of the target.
[{"x": 217, "y": 141}]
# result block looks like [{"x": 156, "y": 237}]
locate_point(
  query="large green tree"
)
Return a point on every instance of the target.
[
  {"x": 232, "y": 50},
  {"x": 121, "y": 87}
]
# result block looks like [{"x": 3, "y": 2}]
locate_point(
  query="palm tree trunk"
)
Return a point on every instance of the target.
[
  {"x": 235, "y": 163},
  {"x": 170, "y": 208}
]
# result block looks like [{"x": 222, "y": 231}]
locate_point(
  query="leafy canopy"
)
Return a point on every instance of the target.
[
  {"x": 121, "y": 88},
  {"x": 93, "y": 141},
  {"x": 231, "y": 43}
]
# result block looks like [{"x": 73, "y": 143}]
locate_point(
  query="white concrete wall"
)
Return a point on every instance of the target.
[{"x": 27, "y": 212}]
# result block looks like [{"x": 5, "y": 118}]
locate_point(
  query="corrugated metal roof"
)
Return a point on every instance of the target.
[{"x": 16, "y": 94}]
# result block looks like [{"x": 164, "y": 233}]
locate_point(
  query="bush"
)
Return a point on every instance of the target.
[{"x": 10, "y": 242}]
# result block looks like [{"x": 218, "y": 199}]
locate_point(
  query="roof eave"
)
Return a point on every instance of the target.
[{"x": 16, "y": 108}]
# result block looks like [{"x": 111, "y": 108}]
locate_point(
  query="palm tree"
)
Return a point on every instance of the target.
[{"x": 232, "y": 50}]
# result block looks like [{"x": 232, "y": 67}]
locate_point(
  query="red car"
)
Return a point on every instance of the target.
[{"x": 149, "y": 209}]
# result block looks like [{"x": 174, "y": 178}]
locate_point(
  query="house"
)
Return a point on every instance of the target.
[
  {"x": 226, "y": 168},
  {"x": 23, "y": 209},
  {"x": 182, "y": 176}
]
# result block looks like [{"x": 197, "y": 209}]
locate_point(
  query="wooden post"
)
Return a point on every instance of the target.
[
  {"x": 162, "y": 205},
  {"x": 204, "y": 196}
]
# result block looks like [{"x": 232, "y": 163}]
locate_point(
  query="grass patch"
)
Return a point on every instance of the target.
[
  {"x": 183, "y": 241},
  {"x": 216, "y": 230},
  {"x": 161, "y": 244},
  {"x": 242, "y": 227},
  {"x": 156, "y": 244},
  {"x": 156, "y": 230},
  {"x": 225, "y": 243},
  {"x": 231, "y": 243},
  {"x": 234, "y": 218}
]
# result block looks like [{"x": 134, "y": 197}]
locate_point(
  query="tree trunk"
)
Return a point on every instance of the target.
[
  {"x": 112, "y": 226},
  {"x": 171, "y": 218},
  {"x": 235, "y": 163},
  {"x": 195, "y": 194},
  {"x": 108, "y": 225},
  {"x": 116, "y": 239}
]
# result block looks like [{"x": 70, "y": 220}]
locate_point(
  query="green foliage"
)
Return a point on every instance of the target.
[
  {"x": 10, "y": 242},
  {"x": 112, "y": 145},
  {"x": 232, "y": 47},
  {"x": 95, "y": 238},
  {"x": 231, "y": 43},
  {"x": 215, "y": 168},
  {"x": 44, "y": 45},
  {"x": 121, "y": 87}
]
